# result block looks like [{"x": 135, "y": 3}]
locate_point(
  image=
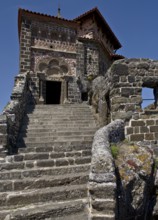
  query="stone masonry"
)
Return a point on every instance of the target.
[
  {"x": 69, "y": 74},
  {"x": 59, "y": 50}
]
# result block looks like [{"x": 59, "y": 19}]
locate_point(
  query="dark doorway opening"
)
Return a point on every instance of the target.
[
  {"x": 84, "y": 96},
  {"x": 53, "y": 92}
]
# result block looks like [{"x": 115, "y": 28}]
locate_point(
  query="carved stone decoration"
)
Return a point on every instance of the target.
[{"x": 57, "y": 67}]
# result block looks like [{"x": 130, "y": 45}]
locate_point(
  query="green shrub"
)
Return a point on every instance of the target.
[
  {"x": 156, "y": 163},
  {"x": 114, "y": 151}
]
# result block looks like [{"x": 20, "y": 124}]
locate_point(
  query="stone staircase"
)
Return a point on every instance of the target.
[{"x": 47, "y": 178}]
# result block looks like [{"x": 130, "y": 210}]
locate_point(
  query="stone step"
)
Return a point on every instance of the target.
[
  {"x": 60, "y": 106},
  {"x": 104, "y": 217},
  {"x": 52, "y": 126},
  {"x": 52, "y": 211},
  {"x": 58, "y": 113},
  {"x": 59, "y": 119},
  {"x": 42, "y": 171},
  {"x": 56, "y": 144},
  {"x": 48, "y": 155},
  {"x": 64, "y": 149},
  {"x": 58, "y": 162},
  {"x": 57, "y": 147},
  {"x": 58, "y": 138},
  {"x": 44, "y": 182},
  {"x": 60, "y": 122},
  {"x": 60, "y": 110},
  {"x": 46, "y": 130},
  {"x": 31, "y": 196},
  {"x": 54, "y": 134}
]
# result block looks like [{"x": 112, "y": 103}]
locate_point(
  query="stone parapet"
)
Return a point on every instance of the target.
[
  {"x": 3, "y": 135},
  {"x": 11, "y": 119},
  {"x": 102, "y": 180}
]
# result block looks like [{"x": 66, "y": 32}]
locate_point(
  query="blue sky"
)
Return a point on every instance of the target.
[{"x": 134, "y": 23}]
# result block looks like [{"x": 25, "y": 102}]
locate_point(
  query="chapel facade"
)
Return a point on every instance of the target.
[{"x": 62, "y": 55}]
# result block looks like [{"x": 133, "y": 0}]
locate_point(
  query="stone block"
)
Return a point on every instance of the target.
[
  {"x": 135, "y": 99},
  {"x": 137, "y": 123},
  {"x": 62, "y": 162},
  {"x": 119, "y": 100},
  {"x": 36, "y": 156},
  {"x": 131, "y": 79},
  {"x": 123, "y": 78},
  {"x": 149, "y": 136},
  {"x": 29, "y": 164},
  {"x": 127, "y": 92},
  {"x": 150, "y": 122},
  {"x": 104, "y": 207},
  {"x": 120, "y": 69},
  {"x": 83, "y": 160},
  {"x": 48, "y": 163},
  {"x": 154, "y": 128},
  {"x": 136, "y": 137},
  {"x": 129, "y": 107},
  {"x": 156, "y": 135},
  {"x": 144, "y": 129},
  {"x": 122, "y": 115},
  {"x": 115, "y": 79},
  {"x": 136, "y": 130},
  {"x": 103, "y": 192},
  {"x": 143, "y": 65},
  {"x": 129, "y": 130}
]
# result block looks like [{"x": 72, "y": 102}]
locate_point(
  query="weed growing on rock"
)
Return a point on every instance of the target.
[{"x": 114, "y": 150}]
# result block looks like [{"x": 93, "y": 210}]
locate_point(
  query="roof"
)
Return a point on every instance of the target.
[
  {"x": 101, "y": 21},
  {"x": 71, "y": 23},
  {"x": 43, "y": 17}
]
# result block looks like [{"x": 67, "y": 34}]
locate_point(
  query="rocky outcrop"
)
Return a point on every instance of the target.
[
  {"x": 121, "y": 181},
  {"x": 135, "y": 181}
]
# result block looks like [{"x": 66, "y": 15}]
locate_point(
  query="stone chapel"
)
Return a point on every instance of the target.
[
  {"x": 63, "y": 55},
  {"x": 75, "y": 107}
]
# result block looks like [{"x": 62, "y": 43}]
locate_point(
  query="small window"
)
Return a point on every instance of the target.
[{"x": 148, "y": 97}]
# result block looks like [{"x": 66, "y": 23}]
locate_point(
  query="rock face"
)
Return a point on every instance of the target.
[
  {"x": 135, "y": 181},
  {"x": 121, "y": 181}
]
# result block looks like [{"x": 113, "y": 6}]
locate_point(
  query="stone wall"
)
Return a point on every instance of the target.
[
  {"x": 102, "y": 180},
  {"x": 11, "y": 119},
  {"x": 40, "y": 42},
  {"x": 142, "y": 130},
  {"x": 122, "y": 86},
  {"x": 91, "y": 29},
  {"x": 128, "y": 77},
  {"x": 25, "y": 46}
]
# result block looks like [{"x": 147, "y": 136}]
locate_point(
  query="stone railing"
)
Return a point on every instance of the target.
[
  {"x": 11, "y": 118},
  {"x": 102, "y": 180}
]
